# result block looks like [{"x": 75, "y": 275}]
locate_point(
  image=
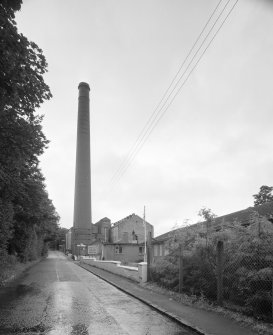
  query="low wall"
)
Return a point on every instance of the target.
[{"x": 115, "y": 267}]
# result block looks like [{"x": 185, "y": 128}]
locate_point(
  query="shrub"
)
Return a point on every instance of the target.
[{"x": 165, "y": 274}]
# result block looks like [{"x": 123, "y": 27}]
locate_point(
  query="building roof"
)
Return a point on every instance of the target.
[
  {"x": 120, "y": 243},
  {"x": 242, "y": 216},
  {"x": 103, "y": 220},
  {"x": 131, "y": 216}
]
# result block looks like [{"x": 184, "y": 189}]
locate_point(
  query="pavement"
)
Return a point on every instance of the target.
[{"x": 201, "y": 321}]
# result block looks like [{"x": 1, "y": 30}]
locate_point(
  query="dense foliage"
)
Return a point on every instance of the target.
[
  {"x": 247, "y": 268},
  {"x": 27, "y": 216},
  {"x": 58, "y": 239},
  {"x": 264, "y": 195}
]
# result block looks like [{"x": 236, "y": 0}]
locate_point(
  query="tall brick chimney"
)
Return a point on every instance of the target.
[{"x": 82, "y": 226}]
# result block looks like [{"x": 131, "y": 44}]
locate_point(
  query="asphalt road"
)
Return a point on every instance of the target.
[{"x": 58, "y": 297}]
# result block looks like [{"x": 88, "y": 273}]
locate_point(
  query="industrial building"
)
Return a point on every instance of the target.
[{"x": 122, "y": 240}]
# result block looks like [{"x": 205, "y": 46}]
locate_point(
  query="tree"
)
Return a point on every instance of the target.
[
  {"x": 26, "y": 213},
  {"x": 59, "y": 238},
  {"x": 22, "y": 88},
  {"x": 208, "y": 216},
  {"x": 264, "y": 195},
  {"x": 35, "y": 218}
]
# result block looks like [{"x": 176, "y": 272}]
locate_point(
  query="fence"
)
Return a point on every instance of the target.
[{"x": 230, "y": 265}]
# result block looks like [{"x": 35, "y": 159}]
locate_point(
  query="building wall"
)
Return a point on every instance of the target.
[
  {"x": 101, "y": 230},
  {"x": 95, "y": 250},
  {"x": 115, "y": 268},
  {"x": 131, "y": 230},
  {"x": 123, "y": 252}
]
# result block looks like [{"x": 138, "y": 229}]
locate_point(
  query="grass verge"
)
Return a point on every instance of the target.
[
  {"x": 259, "y": 327},
  {"x": 10, "y": 269}
]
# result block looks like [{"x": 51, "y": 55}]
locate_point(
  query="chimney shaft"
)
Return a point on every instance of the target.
[{"x": 82, "y": 199}]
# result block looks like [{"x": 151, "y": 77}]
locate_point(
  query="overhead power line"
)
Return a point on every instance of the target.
[
  {"x": 172, "y": 91},
  {"x": 147, "y": 130},
  {"x": 165, "y": 93},
  {"x": 154, "y": 113}
]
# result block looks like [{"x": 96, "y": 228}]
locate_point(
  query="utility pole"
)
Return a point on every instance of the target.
[
  {"x": 180, "y": 267},
  {"x": 219, "y": 272},
  {"x": 145, "y": 237}
]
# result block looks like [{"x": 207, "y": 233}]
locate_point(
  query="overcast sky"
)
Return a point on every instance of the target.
[{"x": 214, "y": 145}]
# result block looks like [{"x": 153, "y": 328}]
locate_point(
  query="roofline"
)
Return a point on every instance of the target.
[
  {"x": 120, "y": 243},
  {"x": 253, "y": 208},
  {"x": 114, "y": 224}
]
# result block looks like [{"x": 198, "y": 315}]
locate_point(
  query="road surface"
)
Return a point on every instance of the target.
[{"x": 57, "y": 297}]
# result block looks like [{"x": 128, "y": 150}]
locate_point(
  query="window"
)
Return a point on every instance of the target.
[
  {"x": 118, "y": 249},
  {"x": 166, "y": 250},
  {"x": 141, "y": 250}
]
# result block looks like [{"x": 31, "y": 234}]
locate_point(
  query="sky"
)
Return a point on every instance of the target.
[{"x": 212, "y": 147}]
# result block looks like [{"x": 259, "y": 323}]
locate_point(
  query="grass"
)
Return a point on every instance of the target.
[{"x": 11, "y": 268}]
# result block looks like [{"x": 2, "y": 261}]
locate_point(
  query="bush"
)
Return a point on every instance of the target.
[
  {"x": 260, "y": 305},
  {"x": 165, "y": 274},
  {"x": 199, "y": 275},
  {"x": 7, "y": 267},
  {"x": 247, "y": 266}
]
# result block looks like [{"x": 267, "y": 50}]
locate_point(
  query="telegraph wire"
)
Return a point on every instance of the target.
[
  {"x": 181, "y": 86},
  {"x": 164, "y": 95},
  {"x": 149, "y": 131},
  {"x": 132, "y": 154}
]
